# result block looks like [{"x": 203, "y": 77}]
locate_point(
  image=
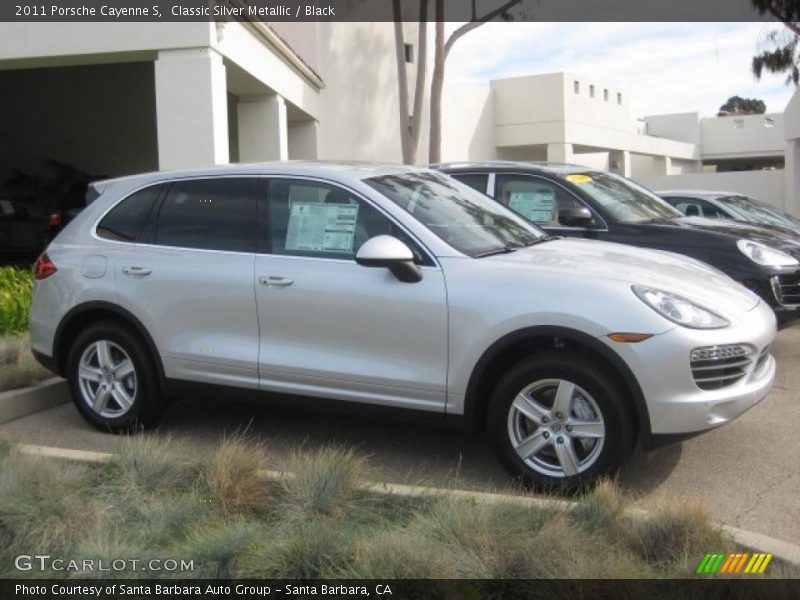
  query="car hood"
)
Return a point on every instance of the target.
[
  {"x": 628, "y": 265},
  {"x": 776, "y": 238}
]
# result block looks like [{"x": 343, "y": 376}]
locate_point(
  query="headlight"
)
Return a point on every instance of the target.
[
  {"x": 764, "y": 255},
  {"x": 678, "y": 309}
]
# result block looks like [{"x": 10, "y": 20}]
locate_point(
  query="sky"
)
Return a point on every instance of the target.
[{"x": 664, "y": 67}]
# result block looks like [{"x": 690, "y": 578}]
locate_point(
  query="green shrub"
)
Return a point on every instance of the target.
[
  {"x": 298, "y": 549},
  {"x": 18, "y": 368},
  {"x": 325, "y": 483},
  {"x": 16, "y": 290},
  {"x": 232, "y": 476},
  {"x": 150, "y": 465},
  {"x": 161, "y": 499}
]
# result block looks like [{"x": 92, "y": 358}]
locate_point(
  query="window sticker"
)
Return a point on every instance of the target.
[
  {"x": 536, "y": 206},
  {"x": 578, "y": 178},
  {"x": 6, "y": 207},
  {"x": 320, "y": 227}
]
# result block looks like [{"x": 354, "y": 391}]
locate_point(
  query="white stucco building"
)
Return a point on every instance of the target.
[{"x": 117, "y": 98}]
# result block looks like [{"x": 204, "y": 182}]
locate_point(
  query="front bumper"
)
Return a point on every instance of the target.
[{"x": 675, "y": 403}]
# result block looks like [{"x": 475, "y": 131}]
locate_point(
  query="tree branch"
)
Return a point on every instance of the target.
[
  {"x": 783, "y": 19},
  {"x": 419, "y": 84},
  {"x": 467, "y": 27},
  {"x": 402, "y": 81}
]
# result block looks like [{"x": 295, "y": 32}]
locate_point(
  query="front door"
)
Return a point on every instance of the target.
[
  {"x": 541, "y": 201},
  {"x": 330, "y": 327}
]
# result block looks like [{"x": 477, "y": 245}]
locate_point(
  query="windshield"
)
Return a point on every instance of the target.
[
  {"x": 467, "y": 220},
  {"x": 753, "y": 210},
  {"x": 622, "y": 199}
]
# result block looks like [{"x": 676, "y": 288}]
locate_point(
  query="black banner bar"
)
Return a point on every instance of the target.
[
  {"x": 375, "y": 10},
  {"x": 518, "y": 589}
]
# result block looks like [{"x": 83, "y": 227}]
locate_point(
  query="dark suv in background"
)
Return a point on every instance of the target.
[
  {"x": 33, "y": 209},
  {"x": 571, "y": 200}
]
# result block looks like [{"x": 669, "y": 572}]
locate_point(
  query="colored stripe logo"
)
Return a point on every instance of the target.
[{"x": 734, "y": 563}]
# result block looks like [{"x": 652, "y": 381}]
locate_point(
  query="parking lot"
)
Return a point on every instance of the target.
[{"x": 747, "y": 474}]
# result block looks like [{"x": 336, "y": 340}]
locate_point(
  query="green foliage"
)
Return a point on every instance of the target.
[
  {"x": 780, "y": 55},
  {"x": 159, "y": 500},
  {"x": 16, "y": 290},
  {"x": 18, "y": 368},
  {"x": 739, "y": 105},
  {"x": 324, "y": 482}
]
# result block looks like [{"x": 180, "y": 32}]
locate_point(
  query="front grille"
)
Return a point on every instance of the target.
[
  {"x": 716, "y": 367},
  {"x": 787, "y": 289}
]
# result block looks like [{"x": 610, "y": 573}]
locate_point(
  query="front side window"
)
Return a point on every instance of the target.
[
  {"x": 467, "y": 220},
  {"x": 209, "y": 214},
  {"x": 624, "y": 200},
  {"x": 127, "y": 219},
  {"x": 695, "y": 207},
  {"x": 538, "y": 200},
  {"x": 308, "y": 218}
]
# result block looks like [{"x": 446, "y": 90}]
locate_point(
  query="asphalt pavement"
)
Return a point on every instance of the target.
[{"x": 746, "y": 473}]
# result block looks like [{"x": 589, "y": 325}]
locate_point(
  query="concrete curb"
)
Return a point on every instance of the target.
[
  {"x": 25, "y": 401},
  {"x": 756, "y": 542}
]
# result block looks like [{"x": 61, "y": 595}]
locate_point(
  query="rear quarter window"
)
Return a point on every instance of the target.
[{"x": 127, "y": 219}]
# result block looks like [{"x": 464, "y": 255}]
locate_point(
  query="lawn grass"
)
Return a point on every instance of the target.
[
  {"x": 18, "y": 368},
  {"x": 16, "y": 291},
  {"x": 158, "y": 500}
]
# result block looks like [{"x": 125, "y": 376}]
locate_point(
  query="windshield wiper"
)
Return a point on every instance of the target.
[
  {"x": 493, "y": 251},
  {"x": 544, "y": 238}
]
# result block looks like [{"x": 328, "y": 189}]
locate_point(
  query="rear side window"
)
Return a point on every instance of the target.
[
  {"x": 126, "y": 220},
  {"x": 209, "y": 214}
]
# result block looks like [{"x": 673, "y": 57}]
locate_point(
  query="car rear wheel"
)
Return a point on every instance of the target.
[
  {"x": 112, "y": 378},
  {"x": 559, "y": 422}
]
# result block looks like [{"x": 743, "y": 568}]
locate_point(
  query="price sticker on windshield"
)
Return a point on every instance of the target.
[{"x": 578, "y": 178}]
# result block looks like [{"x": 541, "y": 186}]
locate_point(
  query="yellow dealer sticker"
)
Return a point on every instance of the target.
[{"x": 578, "y": 178}]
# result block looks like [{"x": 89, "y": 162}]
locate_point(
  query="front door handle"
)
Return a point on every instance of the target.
[
  {"x": 136, "y": 271},
  {"x": 273, "y": 281}
]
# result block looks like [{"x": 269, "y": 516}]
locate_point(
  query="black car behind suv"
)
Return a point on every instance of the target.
[
  {"x": 34, "y": 208},
  {"x": 571, "y": 200}
]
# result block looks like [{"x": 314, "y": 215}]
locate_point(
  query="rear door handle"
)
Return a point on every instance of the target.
[
  {"x": 136, "y": 271},
  {"x": 273, "y": 281}
]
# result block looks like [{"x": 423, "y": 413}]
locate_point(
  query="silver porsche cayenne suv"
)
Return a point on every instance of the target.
[{"x": 395, "y": 287}]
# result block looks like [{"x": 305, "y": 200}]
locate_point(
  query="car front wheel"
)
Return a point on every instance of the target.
[
  {"x": 112, "y": 378},
  {"x": 559, "y": 422}
]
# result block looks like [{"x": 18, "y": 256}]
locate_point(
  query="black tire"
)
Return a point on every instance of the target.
[
  {"x": 608, "y": 397},
  {"x": 147, "y": 403}
]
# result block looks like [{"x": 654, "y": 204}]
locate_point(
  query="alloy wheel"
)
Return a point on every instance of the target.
[
  {"x": 556, "y": 428},
  {"x": 107, "y": 379}
]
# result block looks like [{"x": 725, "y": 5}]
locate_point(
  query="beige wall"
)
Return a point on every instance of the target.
[
  {"x": 358, "y": 117},
  {"x": 468, "y": 123},
  {"x": 742, "y": 136}
]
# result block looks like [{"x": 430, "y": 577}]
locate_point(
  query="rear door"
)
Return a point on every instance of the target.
[
  {"x": 187, "y": 274},
  {"x": 332, "y": 328}
]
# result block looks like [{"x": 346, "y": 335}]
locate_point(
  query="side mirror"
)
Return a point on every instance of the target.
[
  {"x": 390, "y": 253},
  {"x": 576, "y": 216}
]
